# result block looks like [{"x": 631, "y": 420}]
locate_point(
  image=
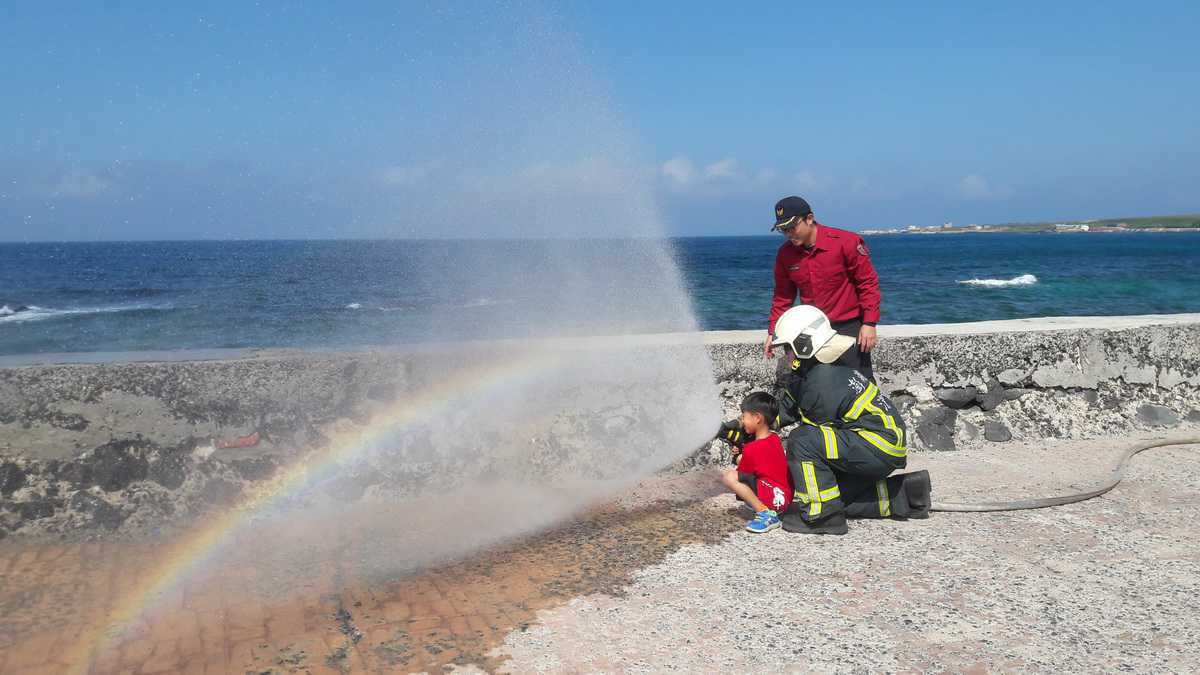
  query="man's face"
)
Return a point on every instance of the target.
[{"x": 800, "y": 231}]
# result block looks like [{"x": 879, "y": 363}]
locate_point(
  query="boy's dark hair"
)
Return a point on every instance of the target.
[{"x": 762, "y": 403}]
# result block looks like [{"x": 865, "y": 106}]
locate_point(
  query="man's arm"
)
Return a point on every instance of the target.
[
  {"x": 784, "y": 295},
  {"x": 866, "y": 282},
  {"x": 781, "y": 300}
]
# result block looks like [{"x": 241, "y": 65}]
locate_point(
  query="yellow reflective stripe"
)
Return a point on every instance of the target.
[
  {"x": 889, "y": 423},
  {"x": 882, "y": 443},
  {"x": 861, "y": 402},
  {"x": 810, "y": 482},
  {"x": 800, "y": 497},
  {"x": 866, "y": 401},
  {"x": 814, "y": 492},
  {"x": 804, "y": 418},
  {"x": 832, "y": 493},
  {"x": 885, "y": 502},
  {"x": 831, "y": 448}
]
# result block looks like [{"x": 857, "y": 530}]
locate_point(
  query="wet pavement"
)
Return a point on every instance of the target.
[{"x": 61, "y": 602}]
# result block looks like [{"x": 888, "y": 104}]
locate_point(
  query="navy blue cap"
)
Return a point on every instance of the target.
[{"x": 789, "y": 208}]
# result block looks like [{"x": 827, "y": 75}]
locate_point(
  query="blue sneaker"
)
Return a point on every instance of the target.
[{"x": 764, "y": 521}]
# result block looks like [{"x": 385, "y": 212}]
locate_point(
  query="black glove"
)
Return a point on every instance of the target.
[
  {"x": 731, "y": 432},
  {"x": 789, "y": 412}
]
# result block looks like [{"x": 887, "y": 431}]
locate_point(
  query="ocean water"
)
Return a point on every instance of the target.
[{"x": 117, "y": 296}]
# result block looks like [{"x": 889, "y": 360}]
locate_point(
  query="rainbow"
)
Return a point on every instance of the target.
[{"x": 194, "y": 550}]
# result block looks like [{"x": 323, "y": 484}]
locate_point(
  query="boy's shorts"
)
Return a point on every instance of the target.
[{"x": 775, "y": 498}]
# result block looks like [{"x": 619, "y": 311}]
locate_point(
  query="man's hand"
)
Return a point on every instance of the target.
[
  {"x": 768, "y": 350},
  {"x": 866, "y": 338}
]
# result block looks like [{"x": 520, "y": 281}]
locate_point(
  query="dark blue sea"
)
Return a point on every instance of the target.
[{"x": 119, "y": 296}]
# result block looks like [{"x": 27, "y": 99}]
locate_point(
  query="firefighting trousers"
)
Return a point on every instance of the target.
[{"x": 836, "y": 470}]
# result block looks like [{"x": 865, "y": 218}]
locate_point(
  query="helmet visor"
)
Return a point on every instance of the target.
[{"x": 803, "y": 346}]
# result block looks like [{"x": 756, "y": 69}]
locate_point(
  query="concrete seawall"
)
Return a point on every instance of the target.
[{"x": 89, "y": 445}]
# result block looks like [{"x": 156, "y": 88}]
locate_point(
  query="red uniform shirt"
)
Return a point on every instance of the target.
[
  {"x": 835, "y": 276},
  {"x": 765, "y": 459}
]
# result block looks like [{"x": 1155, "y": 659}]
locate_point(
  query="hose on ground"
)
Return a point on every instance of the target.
[{"x": 1044, "y": 502}]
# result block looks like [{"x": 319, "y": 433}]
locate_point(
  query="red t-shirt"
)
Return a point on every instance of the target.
[
  {"x": 835, "y": 276},
  {"x": 765, "y": 459}
]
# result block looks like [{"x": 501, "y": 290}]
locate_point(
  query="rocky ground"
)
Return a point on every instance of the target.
[
  {"x": 1101, "y": 586},
  {"x": 663, "y": 578}
]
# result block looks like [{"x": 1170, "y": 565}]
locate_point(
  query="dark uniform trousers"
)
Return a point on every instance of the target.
[
  {"x": 850, "y": 438},
  {"x": 836, "y": 470},
  {"x": 854, "y": 357}
]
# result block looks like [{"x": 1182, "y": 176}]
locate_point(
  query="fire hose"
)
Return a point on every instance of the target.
[{"x": 1044, "y": 502}]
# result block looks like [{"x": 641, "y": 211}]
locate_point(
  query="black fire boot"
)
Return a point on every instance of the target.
[
  {"x": 917, "y": 488},
  {"x": 835, "y": 524}
]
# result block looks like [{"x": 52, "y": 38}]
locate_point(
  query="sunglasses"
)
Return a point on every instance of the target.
[{"x": 789, "y": 225}]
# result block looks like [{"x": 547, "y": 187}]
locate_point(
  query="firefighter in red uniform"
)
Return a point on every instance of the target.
[{"x": 831, "y": 270}]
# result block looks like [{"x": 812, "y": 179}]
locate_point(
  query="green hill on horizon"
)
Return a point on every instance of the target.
[{"x": 1186, "y": 220}]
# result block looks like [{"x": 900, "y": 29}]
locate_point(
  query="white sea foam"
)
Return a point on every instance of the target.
[
  {"x": 1022, "y": 280},
  {"x": 354, "y": 305},
  {"x": 484, "y": 302},
  {"x": 35, "y": 313}
]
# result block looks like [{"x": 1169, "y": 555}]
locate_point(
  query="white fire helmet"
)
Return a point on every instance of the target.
[{"x": 806, "y": 329}]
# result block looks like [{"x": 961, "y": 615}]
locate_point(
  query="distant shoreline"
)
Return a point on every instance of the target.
[
  {"x": 1179, "y": 223},
  {"x": 1001, "y": 230}
]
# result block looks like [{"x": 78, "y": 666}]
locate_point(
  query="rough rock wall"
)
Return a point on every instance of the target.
[
  {"x": 962, "y": 389},
  {"x": 132, "y": 445}
]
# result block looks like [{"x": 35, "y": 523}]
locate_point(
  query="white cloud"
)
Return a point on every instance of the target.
[
  {"x": 588, "y": 175},
  {"x": 765, "y": 176},
  {"x": 719, "y": 177},
  {"x": 593, "y": 195},
  {"x": 680, "y": 170},
  {"x": 860, "y": 185},
  {"x": 80, "y": 185},
  {"x": 725, "y": 169},
  {"x": 812, "y": 182},
  {"x": 729, "y": 176},
  {"x": 974, "y": 186},
  {"x": 722, "y": 177}
]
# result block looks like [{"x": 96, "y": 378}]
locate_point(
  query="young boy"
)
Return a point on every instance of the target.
[{"x": 761, "y": 478}]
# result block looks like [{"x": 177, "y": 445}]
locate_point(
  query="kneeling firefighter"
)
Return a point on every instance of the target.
[{"x": 850, "y": 436}]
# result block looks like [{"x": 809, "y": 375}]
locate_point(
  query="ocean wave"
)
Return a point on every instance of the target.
[
  {"x": 125, "y": 291},
  {"x": 354, "y": 305},
  {"x": 23, "y": 313},
  {"x": 1022, "y": 280},
  {"x": 478, "y": 303},
  {"x": 484, "y": 302}
]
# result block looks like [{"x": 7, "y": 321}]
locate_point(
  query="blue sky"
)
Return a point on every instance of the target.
[{"x": 522, "y": 119}]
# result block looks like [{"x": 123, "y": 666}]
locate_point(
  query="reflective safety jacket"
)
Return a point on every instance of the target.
[{"x": 837, "y": 397}]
